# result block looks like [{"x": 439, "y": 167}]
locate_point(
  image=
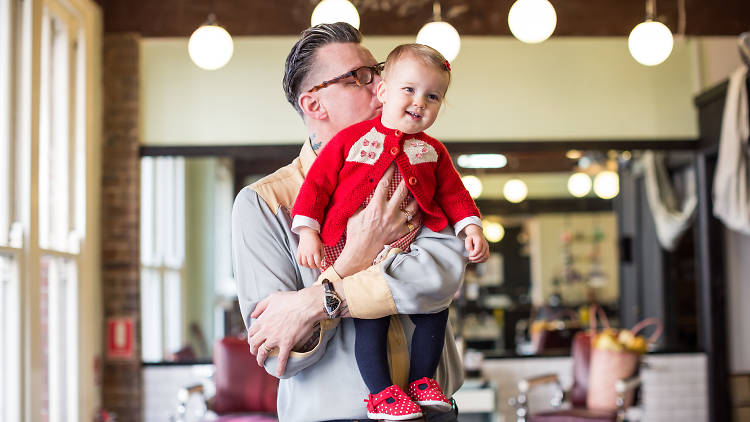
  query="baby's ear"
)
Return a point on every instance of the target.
[{"x": 380, "y": 91}]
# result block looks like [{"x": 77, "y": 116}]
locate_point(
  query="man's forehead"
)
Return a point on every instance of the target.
[{"x": 340, "y": 58}]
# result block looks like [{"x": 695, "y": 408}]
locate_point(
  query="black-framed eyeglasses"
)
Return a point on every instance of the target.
[{"x": 362, "y": 76}]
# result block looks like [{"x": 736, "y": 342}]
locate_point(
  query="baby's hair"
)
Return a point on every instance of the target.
[{"x": 425, "y": 53}]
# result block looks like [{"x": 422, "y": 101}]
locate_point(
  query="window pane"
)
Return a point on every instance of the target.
[
  {"x": 5, "y": 150},
  {"x": 44, "y": 280},
  {"x": 151, "y": 332},
  {"x": 45, "y": 130},
  {"x": 9, "y": 340},
  {"x": 60, "y": 159},
  {"x": 148, "y": 207},
  {"x": 79, "y": 188},
  {"x": 59, "y": 346},
  {"x": 172, "y": 311}
]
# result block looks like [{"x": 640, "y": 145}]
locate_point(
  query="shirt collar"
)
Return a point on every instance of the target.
[{"x": 307, "y": 156}]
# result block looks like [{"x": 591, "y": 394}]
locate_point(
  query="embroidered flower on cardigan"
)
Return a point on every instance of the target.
[{"x": 368, "y": 148}]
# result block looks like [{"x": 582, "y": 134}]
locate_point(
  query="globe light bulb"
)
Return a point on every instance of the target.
[
  {"x": 473, "y": 185},
  {"x": 579, "y": 184},
  {"x": 441, "y": 36},
  {"x": 650, "y": 43},
  {"x": 532, "y": 21},
  {"x": 210, "y": 46},
  {"x": 607, "y": 184},
  {"x": 515, "y": 190},
  {"x": 493, "y": 231},
  {"x": 332, "y": 11}
]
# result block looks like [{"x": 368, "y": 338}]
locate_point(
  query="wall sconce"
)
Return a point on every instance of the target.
[
  {"x": 650, "y": 42},
  {"x": 473, "y": 185},
  {"x": 210, "y": 47},
  {"x": 332, "y": 11},
  {"x": 515, "y": 190},
  {"x": 532, "y": 21},
  {"x": 440, "y": 35}
]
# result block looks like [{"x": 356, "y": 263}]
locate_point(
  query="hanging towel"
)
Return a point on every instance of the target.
[
  {"x": 669, "y": 219},
  {"x": 730, "y": 194}
]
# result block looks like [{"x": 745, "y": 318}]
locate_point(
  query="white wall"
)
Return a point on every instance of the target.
[{"x": 567, "y": 88}]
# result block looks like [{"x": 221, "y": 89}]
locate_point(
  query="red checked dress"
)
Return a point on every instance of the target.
[{"x": 347, "y": 170}]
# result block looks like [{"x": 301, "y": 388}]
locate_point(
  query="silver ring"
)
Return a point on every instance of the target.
[{"x": 408, "y": 215}]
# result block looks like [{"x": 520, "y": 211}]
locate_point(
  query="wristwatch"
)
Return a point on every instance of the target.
[{"x": 331, "y": 300}]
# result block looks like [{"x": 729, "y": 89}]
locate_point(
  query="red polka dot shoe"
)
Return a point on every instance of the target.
[
  {"x": 426, "y": 392},
  {"x": 392, "y": 404}
]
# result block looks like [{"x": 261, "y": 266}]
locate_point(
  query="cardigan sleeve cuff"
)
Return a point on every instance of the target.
[
  {"x": 302, "y": 221},
  {"x": 461, "y": 225}
]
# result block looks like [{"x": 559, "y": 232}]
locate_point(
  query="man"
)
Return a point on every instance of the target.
[{"x": 330, "y": 80}]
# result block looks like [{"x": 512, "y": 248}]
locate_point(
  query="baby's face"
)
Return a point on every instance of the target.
[{"x": 412, "y": 93}]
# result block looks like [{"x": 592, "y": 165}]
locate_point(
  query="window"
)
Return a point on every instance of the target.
[
  {"x": 60, "y": 185},
  {"x": 162, "y": 255},
  {"x": 43, "y": 198}
]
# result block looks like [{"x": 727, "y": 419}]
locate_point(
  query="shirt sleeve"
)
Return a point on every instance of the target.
[
  {"x": 263, "y": 264},
  {"x": 421, "y": 281}
]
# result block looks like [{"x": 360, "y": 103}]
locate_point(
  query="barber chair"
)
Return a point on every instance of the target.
[
  {"x": 575, "y": 397},
  {"x": 245, "y": 392}
]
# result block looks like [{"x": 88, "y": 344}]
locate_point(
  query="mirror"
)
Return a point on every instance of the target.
[{"x": 557, "y": 252}]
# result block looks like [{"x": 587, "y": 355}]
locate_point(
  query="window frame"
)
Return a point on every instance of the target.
[{"x": 21, "y": 50}]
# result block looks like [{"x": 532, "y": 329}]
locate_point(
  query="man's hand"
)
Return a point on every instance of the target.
[
  {"x": 380, "y": 223},
  {"x": 283, "y": 319}
]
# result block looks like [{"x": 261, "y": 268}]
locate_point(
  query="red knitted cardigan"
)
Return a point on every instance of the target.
[{"x": 349, "y": 167}]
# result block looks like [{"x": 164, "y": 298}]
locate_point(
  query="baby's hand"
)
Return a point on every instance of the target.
[
  {"x": 310, "y": 249},
  {"x": 476, "y": 244}
]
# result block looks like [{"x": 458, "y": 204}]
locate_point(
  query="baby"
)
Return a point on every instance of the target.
[{"x": 343, "y": 177}]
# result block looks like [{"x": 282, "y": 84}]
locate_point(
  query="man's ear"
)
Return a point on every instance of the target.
[
  {"x": 380, "y": 91},
  {"x": 311, "y": 106}
]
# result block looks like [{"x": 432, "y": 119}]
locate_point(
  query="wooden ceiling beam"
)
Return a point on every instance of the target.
[{"x": 179, "y": 18}]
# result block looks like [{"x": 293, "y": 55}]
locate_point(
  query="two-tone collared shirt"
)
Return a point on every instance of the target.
[{"x": 324, "y": 383}]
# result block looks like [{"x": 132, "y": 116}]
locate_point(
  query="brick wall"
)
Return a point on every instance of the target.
[{"x": 122, "y": 380}]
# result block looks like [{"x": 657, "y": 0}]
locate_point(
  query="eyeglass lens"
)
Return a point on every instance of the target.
[{"x": 363, "y": 75}]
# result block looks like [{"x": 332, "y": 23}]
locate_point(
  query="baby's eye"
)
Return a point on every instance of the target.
[
  {"x": 408, "y": 89},
  {"x": 433, "y": 97}
]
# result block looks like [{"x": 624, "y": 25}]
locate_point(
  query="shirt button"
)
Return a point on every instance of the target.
[
  {"x": 397, "y": 132},
  {"x": 394, "y": 150},
  {"x": 412, "y": 180}
]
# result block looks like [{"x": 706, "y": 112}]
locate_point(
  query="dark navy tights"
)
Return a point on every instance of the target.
[{"x": 426, "y": 348}]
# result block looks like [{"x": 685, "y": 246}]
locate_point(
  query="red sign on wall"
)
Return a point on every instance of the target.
[{"x": 120, "y": 338}]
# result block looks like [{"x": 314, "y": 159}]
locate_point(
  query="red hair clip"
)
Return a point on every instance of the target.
[{"x": 447, "y": 65}]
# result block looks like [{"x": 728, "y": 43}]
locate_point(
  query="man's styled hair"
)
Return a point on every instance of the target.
[
  {"x": 426, "y": 54},
  {"x": 301, "y": 59}
]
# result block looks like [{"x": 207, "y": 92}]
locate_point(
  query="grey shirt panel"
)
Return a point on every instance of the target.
[{"x": 325, "y": 383}]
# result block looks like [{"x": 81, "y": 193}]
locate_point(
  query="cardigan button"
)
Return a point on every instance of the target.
[
  {"x": 412, "y": 180},
  {"x": 394, "y": 151},
  {"x": 397, "y": 132}
]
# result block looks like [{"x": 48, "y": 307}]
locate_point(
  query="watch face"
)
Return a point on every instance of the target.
[{"x": 332, "y": 303}]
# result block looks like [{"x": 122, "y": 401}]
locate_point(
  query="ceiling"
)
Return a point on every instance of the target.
[{"x": 171, "y": 18}]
